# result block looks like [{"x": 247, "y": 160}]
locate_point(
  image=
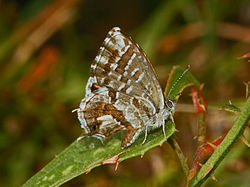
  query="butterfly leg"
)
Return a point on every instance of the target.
[
  {"x": 99, "y": 137},
  {"x": 130, "y": 137},
  {"x": 163, "y": 126},
  {"x": 80, "y": 138},
  {"x": 172, "y": 118},
  {"x": 163, "y": 129},
  {"x": 146, "y": 134}
]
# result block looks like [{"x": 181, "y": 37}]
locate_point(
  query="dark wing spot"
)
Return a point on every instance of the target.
[
  {"x": 94, "y": 87},
  {"x": 93, "y": 127}
]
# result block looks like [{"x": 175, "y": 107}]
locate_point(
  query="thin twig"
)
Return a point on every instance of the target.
[
  {"x": 179, "y": 153},
  {"x": 224, "y": 147},
  {"x": 201, "y": 129},
  {"x": 196, "y": 30}
]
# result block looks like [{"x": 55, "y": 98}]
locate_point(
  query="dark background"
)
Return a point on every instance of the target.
[{"x": 46, "y": 48}]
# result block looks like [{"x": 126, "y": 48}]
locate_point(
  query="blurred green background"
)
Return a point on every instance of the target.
[{"x": 46, "y": 48}]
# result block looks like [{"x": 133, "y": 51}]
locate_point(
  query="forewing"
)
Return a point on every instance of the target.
[{"x": 121, "y": 65}]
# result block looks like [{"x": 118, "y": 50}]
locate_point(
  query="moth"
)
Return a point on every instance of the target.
[{"x": 123, "y": 93}]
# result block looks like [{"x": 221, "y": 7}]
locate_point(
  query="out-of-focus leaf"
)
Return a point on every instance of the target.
[{"x": 153, "y": 29}]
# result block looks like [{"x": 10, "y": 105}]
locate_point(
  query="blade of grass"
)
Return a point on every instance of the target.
[
  {"x": 221, "y": 151},
  {"x": 20, "y": 46}
]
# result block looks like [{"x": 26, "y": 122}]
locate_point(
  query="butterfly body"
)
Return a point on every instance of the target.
[{"x": 122, "y": 92}]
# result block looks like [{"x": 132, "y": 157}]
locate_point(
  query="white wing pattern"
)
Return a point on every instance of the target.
[{"x": 122, "y": 93}]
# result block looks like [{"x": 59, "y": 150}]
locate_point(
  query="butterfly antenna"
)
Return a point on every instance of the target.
[{"x": 184, "y": 72}]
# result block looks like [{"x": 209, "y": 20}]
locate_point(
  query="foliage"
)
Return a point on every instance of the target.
[{"x": 46, "y": 48}]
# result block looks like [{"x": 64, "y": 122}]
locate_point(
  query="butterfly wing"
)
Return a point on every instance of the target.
[
  {"x": 121, "y": 65},
  {"x": 108, "y": 111}
]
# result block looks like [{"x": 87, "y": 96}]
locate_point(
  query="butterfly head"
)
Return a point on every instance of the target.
[
  {"x": 170, "y": 105},
  {"x": 169, "y": 109}
]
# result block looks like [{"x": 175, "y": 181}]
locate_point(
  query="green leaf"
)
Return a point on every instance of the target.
[
  {"x": 87, "y": 154},
  {"x": 231, "y": 108},
  {"x": 221, "y": 151},
  {"x": 82, "y": 156},
  {"x": 179, "y": 79}
]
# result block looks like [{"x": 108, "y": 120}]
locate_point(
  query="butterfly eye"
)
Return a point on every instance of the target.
[
  {"x": 94, "y": 127},
  {"x": 169, "y": 103}
]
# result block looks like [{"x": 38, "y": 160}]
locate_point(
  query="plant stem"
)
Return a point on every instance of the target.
[
  {"x": 201, "y": 130},
  {"x": 178, "y": 151},
  {"x": 221, "y": 151}
]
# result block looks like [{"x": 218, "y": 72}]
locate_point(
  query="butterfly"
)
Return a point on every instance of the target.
[{"x": 123, "y": 93}]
